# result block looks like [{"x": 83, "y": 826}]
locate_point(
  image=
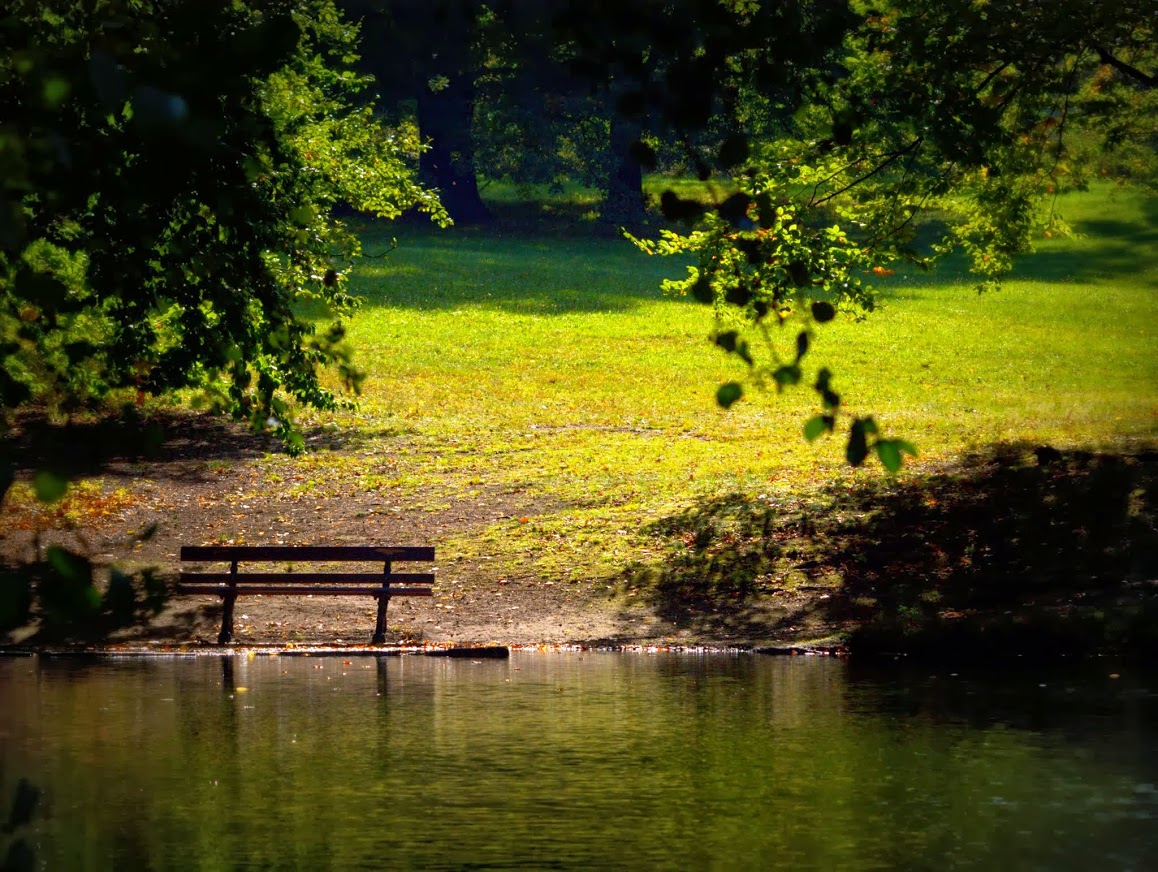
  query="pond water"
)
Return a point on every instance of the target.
[{"x": 568, "y": 761}]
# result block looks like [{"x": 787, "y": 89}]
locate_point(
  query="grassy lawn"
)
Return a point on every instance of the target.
[{"x": 553, "y": 367}]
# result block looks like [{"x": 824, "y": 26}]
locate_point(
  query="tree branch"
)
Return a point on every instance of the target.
[
  {"x": 890, "y": 159},
  {"x": 1124, "y": 68}
]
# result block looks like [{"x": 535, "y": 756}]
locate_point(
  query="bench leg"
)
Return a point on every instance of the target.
[
  {"x": 380, "y": 626},
  {"x": 226, "y": 634}
]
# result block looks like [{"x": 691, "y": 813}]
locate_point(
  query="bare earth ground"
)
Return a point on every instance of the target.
[{"x": 203, "y": 487}]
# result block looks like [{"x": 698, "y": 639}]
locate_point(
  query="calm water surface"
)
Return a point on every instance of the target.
[{"x": 566, "y": 761}]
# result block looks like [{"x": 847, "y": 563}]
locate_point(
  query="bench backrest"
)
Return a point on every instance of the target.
[
  {"x": 384, "y": 583},
  {"x": 291, "y": 553}
]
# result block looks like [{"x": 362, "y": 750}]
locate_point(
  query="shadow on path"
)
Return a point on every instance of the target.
[{"x": 1018, "y": 549}]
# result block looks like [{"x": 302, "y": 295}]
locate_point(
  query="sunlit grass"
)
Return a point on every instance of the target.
[
  {"x": 553, "y": 368},
  {"x": 579, "y": 201}
]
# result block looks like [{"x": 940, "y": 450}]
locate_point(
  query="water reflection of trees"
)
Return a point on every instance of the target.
[{"x": 601, "y": 761}]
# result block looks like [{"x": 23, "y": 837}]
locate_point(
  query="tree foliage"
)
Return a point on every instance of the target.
[
  {"x": 977, "y": 110},
  {"x": 168, "y": 174}
]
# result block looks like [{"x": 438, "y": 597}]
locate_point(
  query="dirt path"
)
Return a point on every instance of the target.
[
  {"x": 1020, "y": 548},
  {"x": 213, "y": 483}
]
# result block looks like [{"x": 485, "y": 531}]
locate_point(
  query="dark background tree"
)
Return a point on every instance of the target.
[{"x": 423, "y": 54}]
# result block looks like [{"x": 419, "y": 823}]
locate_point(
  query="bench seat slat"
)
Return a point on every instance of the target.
[
  {"x": 307, "y": 577},
  {"x": 290, "y": 553},
  {"x": 252, "y": 590}
]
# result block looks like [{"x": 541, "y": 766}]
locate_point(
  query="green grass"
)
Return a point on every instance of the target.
[
  {"x": 551, "y": 369},
  {"x": 574, "y": 202}
]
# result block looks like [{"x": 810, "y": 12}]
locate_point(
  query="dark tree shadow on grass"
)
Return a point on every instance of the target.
[
  {"x": 1017, "y": 549},
  {"x": 1023, "y": 549},
  {"x": 59, "y": 600},
  {"x": 1105, "y": 248},
  {"x": 524, "y": 263},
  {"x": 110, "y": 443},
  {"x": 1123, "y": 249},
  {"x": 175, "y": 445},
  {"x": 736, "y": 567}
]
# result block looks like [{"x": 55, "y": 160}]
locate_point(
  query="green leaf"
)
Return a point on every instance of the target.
[
  {"x": 823, "y": 387},
  {"x": 889, "y": 454},
  {"x": 817, "y": 426},
  {"x": 728, "y": 394},
  {"x": 67, "y": 564},
  {"x": 295, "y": 442},
  {"x": 743, "y": 352},
  {"x": 823, "y": 311},
  {"x": 727, "y": 340},
  {"x": 738, "y": 295},
  {"x": 890, "y": 450},
  {"x": 733, "y": 151},
  {"x": 49, "y": 486},
  {"x": 67, "y": 592},
  {"x": 801, "y": 345},
  {"x": 702, "y": 291},
  {"x": 787, "y": 375},
  {"x": 56, "y": 91},
  {"x": 857, "y": 449}
]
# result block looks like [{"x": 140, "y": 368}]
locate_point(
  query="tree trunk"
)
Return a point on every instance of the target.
[
  {"x": 623, "y": 203},
  {"x": 446, "y": 114},
  {"x": 444, "y": 121}
]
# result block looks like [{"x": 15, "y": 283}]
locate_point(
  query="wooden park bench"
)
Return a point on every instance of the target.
[{"x": 232, "y": 584}]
